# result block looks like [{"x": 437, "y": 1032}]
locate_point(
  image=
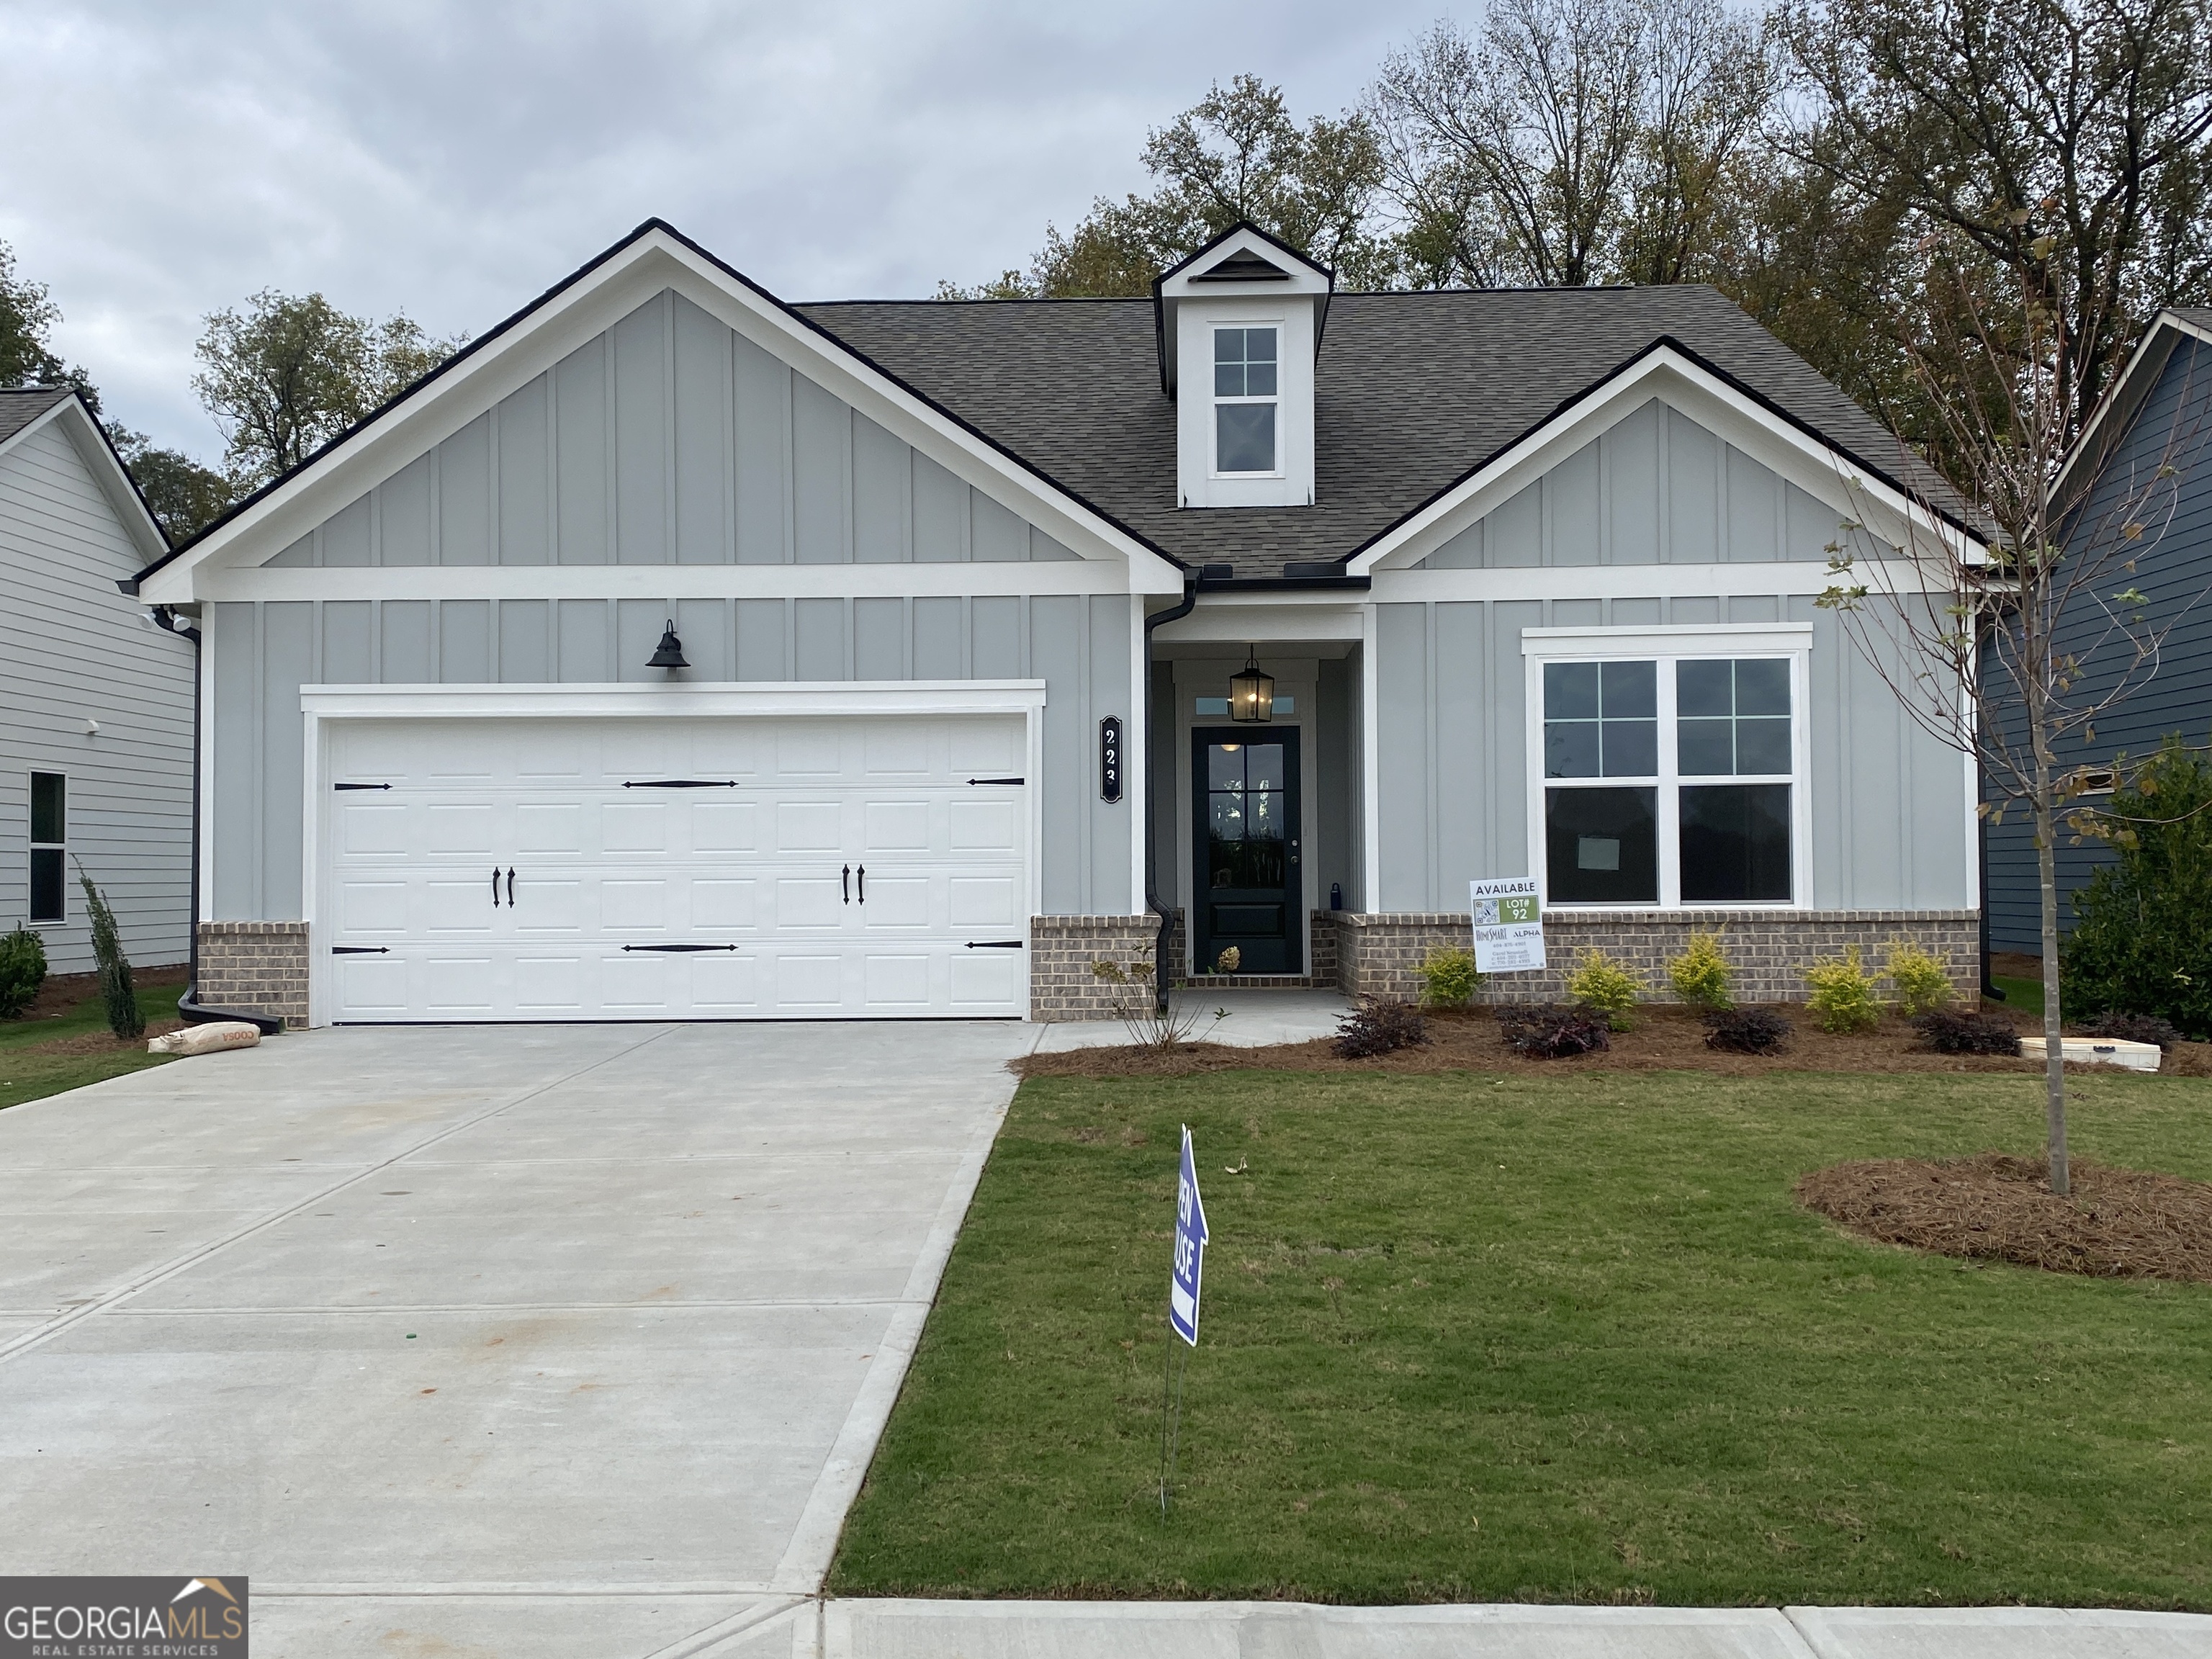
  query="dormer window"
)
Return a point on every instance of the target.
[
  {"x": 1246, "y": 387},
  {"x": 1240, "y": 326}
]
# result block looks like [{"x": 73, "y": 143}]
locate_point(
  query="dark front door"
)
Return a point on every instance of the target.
[{"x": 1244, "y": 848}]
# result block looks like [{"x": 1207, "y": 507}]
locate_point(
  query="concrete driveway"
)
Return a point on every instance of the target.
[{"x": 555, "y": 1340}]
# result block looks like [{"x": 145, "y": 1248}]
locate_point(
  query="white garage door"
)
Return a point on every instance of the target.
[{"x": 672, "y": 869}]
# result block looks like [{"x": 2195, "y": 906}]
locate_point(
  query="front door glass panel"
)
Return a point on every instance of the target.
[{"x": 1247, "y": 851}]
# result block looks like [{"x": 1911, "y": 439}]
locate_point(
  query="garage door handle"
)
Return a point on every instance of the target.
[
  {"x": 972, "y": 781},
  {"x": 510, "y": 887},
  {"x": 680, "y": 947},
  {"x": 845, "y": 883},
  {"x": 995, "y": 944},
  {"x": 495, "y": 887},
  {"x": 864, "y": 883}
]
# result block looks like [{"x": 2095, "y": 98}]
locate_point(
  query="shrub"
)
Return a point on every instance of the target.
[
  {"x": 1547, "y": 1032},
  {"x": 1611, "y": 987},
  {"x": 1951, "y": 1033},
  {"x": 23, "y": 970},
  {"x": 1448, "y": 978},
  {"x": 1843, "y": 993},
  {"x": 115, "y": 987},
  {"x": 1701, "y": 974},
  {"x": 2140, "y": 945},
  {"x": 2135, "y": 1028},
  {"x": 1921, "y": 984},
  {"x": 1377, "y": 1027},
  {"x": 1747, "y": 1031}
]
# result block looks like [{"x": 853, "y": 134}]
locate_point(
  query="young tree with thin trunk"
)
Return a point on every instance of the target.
[{"x": 2013, "y": 655}]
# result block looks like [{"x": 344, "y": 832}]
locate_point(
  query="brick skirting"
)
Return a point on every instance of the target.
[
  {"x": 1062, "y": 950},
  {"x": 257, "y": 966},
  {"x": 1376, "y": 955}
]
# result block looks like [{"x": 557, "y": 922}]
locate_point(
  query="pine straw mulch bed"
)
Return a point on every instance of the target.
[
  {"x": 103, "y": 1042},
  {"x": 2117, "y": 1224},
  {"x": 1665, "y": 1040},
  {"x": 60, "y": 993}
]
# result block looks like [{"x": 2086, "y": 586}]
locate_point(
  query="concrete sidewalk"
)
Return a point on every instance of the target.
[
  {"x": 1256, "y": 1019},
  {"x": 1270, "y": 1629}
]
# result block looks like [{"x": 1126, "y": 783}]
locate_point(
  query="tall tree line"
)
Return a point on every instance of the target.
[{"x": 1836, "y": 166}]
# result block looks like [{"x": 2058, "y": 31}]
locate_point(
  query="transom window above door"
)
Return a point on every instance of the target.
[
  {"x": 1669, "y": 779},
  {"x": 1245, "y": 391}
]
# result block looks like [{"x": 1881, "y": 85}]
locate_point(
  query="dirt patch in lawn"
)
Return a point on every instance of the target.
[
  {"x": 1665, "y": 1039},
  {"x": 60, "y": 993},
  {"x": 2117, "y": 1224},
  {"x": 104, "y": 1042}
]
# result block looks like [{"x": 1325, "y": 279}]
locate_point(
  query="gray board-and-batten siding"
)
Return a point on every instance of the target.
[
  {"x": 669, "y": 439},
  {"x": 1889, "y": 803},
  {"x": 264, "y": 653}
]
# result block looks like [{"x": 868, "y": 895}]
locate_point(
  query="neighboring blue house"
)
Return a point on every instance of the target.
[{"x": 2159, "y": 412}]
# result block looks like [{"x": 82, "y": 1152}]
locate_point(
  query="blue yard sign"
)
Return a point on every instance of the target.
[{"x": 1189, "y": 1248}]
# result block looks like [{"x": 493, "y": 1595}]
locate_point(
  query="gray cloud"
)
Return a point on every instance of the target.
[{"x": 452, "y": 160}]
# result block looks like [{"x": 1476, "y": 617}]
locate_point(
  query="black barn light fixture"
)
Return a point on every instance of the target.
[
  {"x": 670, "y": 652},
  {"x": 1251, "y": 693}
]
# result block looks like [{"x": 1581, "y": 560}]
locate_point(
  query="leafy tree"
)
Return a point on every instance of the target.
[
  {"x": 2140, "y": 945},
  {"x": 1235, "y": 154},
  {"x": 290, "y": 373},
  {"x": 184, "y": 495},
  {"x": 26, "y": 316}
]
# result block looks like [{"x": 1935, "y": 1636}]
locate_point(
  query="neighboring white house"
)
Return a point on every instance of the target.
[
  {"x": 675, "y": 651},
  {"x": 96, "y": 700}
]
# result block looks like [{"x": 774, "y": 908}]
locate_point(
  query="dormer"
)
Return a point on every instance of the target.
[{"x": 1240, "y": 324}]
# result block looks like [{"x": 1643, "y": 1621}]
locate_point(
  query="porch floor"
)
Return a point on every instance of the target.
[{"x": 1256, "y": 1019}]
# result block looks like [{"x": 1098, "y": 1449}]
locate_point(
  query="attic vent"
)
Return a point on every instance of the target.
[{"x": 1242, "y": 266}]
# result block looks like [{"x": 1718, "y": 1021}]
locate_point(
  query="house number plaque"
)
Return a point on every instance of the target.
[{"x": 1109, "y": 759}]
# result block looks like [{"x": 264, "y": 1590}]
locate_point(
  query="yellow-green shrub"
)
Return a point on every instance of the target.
[
  {"x": 1447, "y": 978},
  {"x": 1843, "y": 993},
  {"x": 1610, "y": 987},
  {"x": 1921, "y": 984},
  {"x": 1701, "y": 974}
]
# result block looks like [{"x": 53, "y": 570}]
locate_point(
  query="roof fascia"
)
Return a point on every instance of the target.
[
  {"x": 1783, "y": 445},
  {"x": 585, "y": 305},
  {"x": 2115, "y": 412},
  {"x": 90, "y": 441}
]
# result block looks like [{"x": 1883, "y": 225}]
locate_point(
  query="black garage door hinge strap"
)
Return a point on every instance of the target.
[
  {"x": 995, "y": 944},
  {"x": 361, "y": 950},
  {"x": 681, "y": 783},
  {"x": 680, "y": 947},
  {"x": 976, "y": 780},
  {"x": 361, "y": 786}
]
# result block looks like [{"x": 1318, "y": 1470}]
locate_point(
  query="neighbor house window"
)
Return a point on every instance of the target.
[
  {"x": 49, "y": 841},
  {"x": 1245, "y": 383},
  {"x": 1669, "y": 781}
]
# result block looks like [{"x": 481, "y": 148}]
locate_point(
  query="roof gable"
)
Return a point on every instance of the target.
[{"x": 25, "y": 411}]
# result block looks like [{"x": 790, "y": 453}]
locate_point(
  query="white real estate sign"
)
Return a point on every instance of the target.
[{"x": 1508, "y": 924}]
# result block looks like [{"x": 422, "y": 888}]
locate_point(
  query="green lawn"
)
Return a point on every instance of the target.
[
  {"x": 26, "y": 1074},
  {"x": 1560, "y": 1339},
  {"x": 2021, "y": 995}
]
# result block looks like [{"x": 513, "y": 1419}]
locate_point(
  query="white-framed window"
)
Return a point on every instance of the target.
[
  {"x": 1669, "y": 766},
  {"x": 1246, "y": 400},
  {"x": 49, "y": 845}
]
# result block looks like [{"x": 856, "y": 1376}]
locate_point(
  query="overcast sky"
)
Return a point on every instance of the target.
[{"x": 452, "y": 160}]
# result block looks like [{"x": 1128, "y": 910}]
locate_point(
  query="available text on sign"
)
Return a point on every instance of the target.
[
  {"x": 1189, "y": 1248},
  {"x": 1509, "y": 926}
]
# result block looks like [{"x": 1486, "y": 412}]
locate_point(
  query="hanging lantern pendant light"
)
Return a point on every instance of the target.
[
  {"x": 670, "y": 654},
  {"x": 1251, "y": 693}
]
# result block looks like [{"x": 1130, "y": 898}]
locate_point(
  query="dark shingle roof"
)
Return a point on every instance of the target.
[
  {"x": 1413, "y": 391},
  {"x": 19, "y": 409}
]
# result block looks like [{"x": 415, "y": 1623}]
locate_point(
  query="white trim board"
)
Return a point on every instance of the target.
[
  {"x": 1788, "y": 578},
  {"x": 1812, "y": 465},
  {"x": 114, "y": 483},
  {"x": 592, "y": 303},
  {"x": 658, "y": 581}
]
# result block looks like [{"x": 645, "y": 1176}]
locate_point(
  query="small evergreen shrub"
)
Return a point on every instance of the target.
[
  {"x": 2135, "y": 1028},
  {"x": 1701, "y": 974},
  {"x": 1843, "y": 993},
  {"x": 1921, "y": 984},
  {"x": 1448, "y": 978},
  {"x": 1611, "y": 987},
  {"x": 2140, "y": 945},
  {"x": 22, "y": 971},
  {"x": 1949, "y": 1032},
  {"x": 1548, "y": 1032},
  {"x": 1747, "y": 1031},
  {"x": 116, "y": 990},
  {"x": 1377, "y": 1027}
]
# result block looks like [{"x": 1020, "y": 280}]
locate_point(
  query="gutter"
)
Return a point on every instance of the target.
[
  {"x": 1190, "y": 586},
  {"x": 194, "y": 1012}
]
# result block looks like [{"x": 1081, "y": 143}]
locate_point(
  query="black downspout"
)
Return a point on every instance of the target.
[
  {"x": 1153, "y": 807},
  {"x": 188, "y": 1004}
]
